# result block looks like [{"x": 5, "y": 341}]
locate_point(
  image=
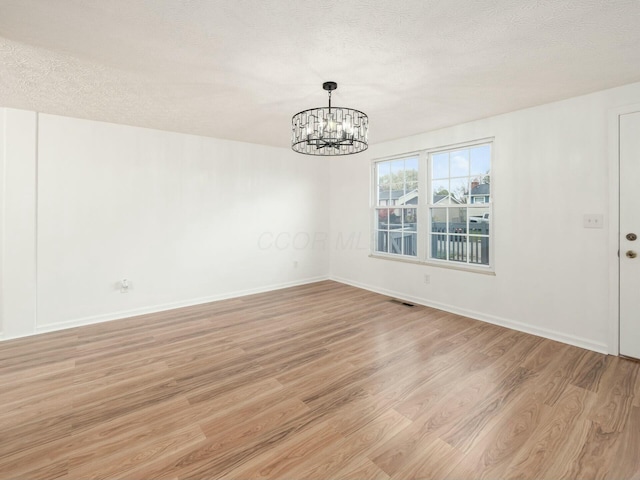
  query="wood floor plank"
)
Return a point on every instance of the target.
[
  {"x": 433, "y": 459},
  {"x": 360, "y": 413},
  {"x": 356, "y": 444},
  {"x": 107, "y": 438},
  {"x": 627, "y": 463},
  {"x": 616, "y": 394},
  {"x": 283, "y": 460},
  {"x": 50, "y": 470},
  {"x": 595, "y": 456},
  {"x": 26, "y": 437},
  {"x": 16, "y": 379},
  {"x": 143, "y": 452},
  {"x": 272, "y": 408},
  {"x": 415, "y": 394},
  {"x": 226, "y": 449},
  {"x": 446, "y": 408},
  {"x": 313, "y": 382},
  {"x": 590, "y": 370},
  {"x": 62, "y": 380},
  {"x": 88, "y": 415},
  {"x": 466, "y": 430},
  {"x": 502, "y": 438},
  {"x": 560, "y": 372},
  {"x": 364, "y": 469},
  {"x": 550, "y": 435}
]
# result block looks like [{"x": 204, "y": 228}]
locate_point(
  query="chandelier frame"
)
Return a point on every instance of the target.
[{"x": 329, "y": 131}]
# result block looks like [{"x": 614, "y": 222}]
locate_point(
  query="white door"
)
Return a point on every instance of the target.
[{"x": 630, "y": 235}]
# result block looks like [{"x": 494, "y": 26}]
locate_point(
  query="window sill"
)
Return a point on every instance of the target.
[{"x": 480, "y": 270}]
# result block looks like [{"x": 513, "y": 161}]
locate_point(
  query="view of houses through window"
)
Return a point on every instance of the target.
[
  {"x": 459, "y": 209},
  {"x": 396, "y": 210},
  {"x": 453, "y": 224}
]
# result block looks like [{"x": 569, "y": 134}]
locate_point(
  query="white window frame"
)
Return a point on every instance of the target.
[{"x": 424, "y": 205}]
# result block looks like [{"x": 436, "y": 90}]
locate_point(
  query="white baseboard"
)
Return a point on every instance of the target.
[
  {"x": 514, "y": 325},
  {"x": 78, "y": 322},
  {"x": 503, "y": 322}
]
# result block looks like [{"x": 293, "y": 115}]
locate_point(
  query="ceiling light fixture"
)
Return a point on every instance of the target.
[{"x": 329, "y": 131}]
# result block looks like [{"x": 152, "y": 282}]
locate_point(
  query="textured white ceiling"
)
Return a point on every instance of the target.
[{"x": 239, "y": 69}]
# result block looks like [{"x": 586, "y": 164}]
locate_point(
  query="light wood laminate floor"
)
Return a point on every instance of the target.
[{"x": 322, "y": 381}]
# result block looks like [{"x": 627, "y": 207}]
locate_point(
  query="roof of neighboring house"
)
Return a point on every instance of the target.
[
  {"x": 409, "y": 198},
  {"x": 443, "y": 199},
  {"x": 482, "y": 189},
  {"x": 399, "y": 194},
  {"x": 395, "y": 194}
]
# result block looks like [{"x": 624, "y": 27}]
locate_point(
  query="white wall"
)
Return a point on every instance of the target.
[
  {"x": 189, "y": 219},
  {"x": 551, "y": 274},
  {"x": 185, "y": 219},
  {"x": 18, "y": 220}
]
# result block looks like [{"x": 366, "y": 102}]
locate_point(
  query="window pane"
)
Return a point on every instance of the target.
[
  {"x": 384, "y": 195},
  {"x": 479, "y": 192},
  {"x": 397, "y": 191},
  {"x": 458, "y": 220},
  {"x": 411, "y": 188},
  {"x": 410, "y": 218},
  {"x": 395, "y": 218},
  {"x": 383, "y": 219},
  {"x": 410, "y": 244},
  {"x": 479, "y": 250},
  {"x": 438, "y": 220},
  {"x": 479, "y": 221},
  {"x": 411, "y": 196},
  {"x": 382, "y": 242},
  {"x": 397, "y": 172},
  {"x": 480, "y": 160},
  {"x": 439, "y": 247},
  {"x": 460, "y": 163},
  {"x": 458, "y": 248},
  {"x": 440, "y": 162},
  {"x": 395, "y": 242},
  {"x": 411, "y": 170},
  {"x": 383, "y": 170},
  {"x": 459, "y": 190},
  {"x": 440, "y": 189}
]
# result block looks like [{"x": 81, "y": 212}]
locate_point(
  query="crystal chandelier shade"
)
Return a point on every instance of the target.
[{"x": 329, "y": 130}]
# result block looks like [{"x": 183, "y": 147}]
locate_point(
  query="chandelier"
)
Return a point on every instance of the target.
[{"x": 329, "y": 130}]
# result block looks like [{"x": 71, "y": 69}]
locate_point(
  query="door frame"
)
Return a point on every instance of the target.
[{"x": 614, "y": 223}]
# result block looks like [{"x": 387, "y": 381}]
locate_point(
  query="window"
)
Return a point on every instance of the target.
[
  {"x": 396, "y": 211},
  {"x": 459, "y": 205},
  {"x": 435, "y": 206}
]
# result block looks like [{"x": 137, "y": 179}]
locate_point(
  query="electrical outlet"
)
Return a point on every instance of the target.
[
  {"x": 427, "y": 279},
  {"x": 124, "y": 285},
  {"x": 591, "y": 220}
]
